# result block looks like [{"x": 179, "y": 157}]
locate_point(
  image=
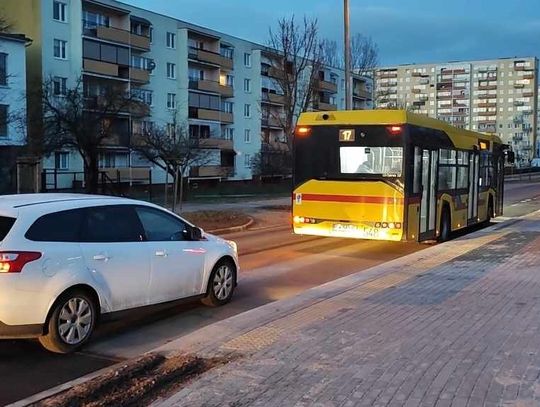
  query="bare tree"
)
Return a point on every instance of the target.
[
  {"x": 330, "y": 53},
  {"x": 364, "y": 54},
  {"x": 173, "y": 150},
  {"x": 5, "y": 24},
  {"x": 296, "y": 61},
  {"x": 73, "y": 120}
]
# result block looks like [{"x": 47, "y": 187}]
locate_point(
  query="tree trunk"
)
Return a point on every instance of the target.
[{"x": 91, "y": 175}]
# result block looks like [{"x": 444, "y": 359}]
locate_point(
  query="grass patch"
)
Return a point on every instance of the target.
[{"x": 212, "y": 220}]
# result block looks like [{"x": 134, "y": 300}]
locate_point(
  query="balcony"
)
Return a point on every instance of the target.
[
  {"x": 361, "y": 93},
  {"x": 324, "y": 106},
  {"x": 117, "y": 35},
  {"x": 487, "y": 87},
  {"x": 139, "y": 75},
  {"x": 528, "y": 76},
  {"x": 528, "y": 94},
  {"x": 211, "y": 86},
  {"x": 386, "y": 84},
  {"x": 271, "y": 122},
  {"x": 100, "y": 67},
  {"x": 211, "y": 171},
  {"x": 519, "y": 85},
  {"x": 486, "y": 104},
  {"x": 273, "y": 98},
  {"x": 326, "y": 86},
  {"x": 415, "y": 90},
  {"x": 221, "y": 143},
  {"x": 207, "y": 114},
  {"x": 384, "y": 75},
  {"x": 210, "y": 57},
  {"x": 518, "y": 103}
]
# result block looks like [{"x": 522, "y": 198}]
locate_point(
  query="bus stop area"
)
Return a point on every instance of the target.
[{"x": 456, "y": 324}]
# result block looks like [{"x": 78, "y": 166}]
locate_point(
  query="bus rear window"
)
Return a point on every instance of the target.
[
  {"x": 385, "y": 161},
  {"x": 5, "y": 226}
]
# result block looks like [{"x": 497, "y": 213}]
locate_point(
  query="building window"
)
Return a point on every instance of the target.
[
  {"x": 227, "y": 107},
  {"x": 247, "y": 110},
  {"x": 247, "y": 160},
  {"x": 228, "y": 133},
  {"x": 247, "y": 85},
  {"x": 4, "y": 120},
  {"x": 61, "y": 160},
  {"x": 59, "y": 86},
  {"x": 247, "y": 59},
  {"x": 247, "y": 136},
  {"x": 93, "y": 20},
  {"x": 60, "y": 49},
  {"x": 59, "y": 11},
  {"x": 171, "y": 101},
  {"x": 171, "y": 40},
  {"x": 3, "y": 69},
  {"x": 171, "y": 70},
  {"x": 142, "y": 95}
]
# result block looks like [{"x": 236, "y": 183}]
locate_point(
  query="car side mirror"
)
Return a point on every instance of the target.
[{"x": 195, "y": 233}]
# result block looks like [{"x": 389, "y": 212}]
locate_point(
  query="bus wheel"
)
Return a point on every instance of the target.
[{"x": 445, "y": 225}]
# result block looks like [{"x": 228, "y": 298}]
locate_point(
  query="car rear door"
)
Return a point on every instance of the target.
[
  {"x": 177, "y": 263},
  {"x": 114, "y": 251}
]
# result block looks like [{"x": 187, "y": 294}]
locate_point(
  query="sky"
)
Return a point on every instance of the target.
[{"x": 406, "y": 31}]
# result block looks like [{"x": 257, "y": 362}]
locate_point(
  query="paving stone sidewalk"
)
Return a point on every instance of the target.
[{"x": 457, "y": 324}]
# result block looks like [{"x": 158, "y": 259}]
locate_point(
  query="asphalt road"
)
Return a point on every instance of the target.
[{"x": 275, "y": 265}]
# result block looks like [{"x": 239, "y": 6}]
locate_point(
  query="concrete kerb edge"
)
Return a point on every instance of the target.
[
  {"x": 233, "y": 229},
  {"x": 277, "y": 309}
]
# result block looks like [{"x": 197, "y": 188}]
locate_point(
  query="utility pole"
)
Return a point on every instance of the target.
[{"x": 347, "y": 48}]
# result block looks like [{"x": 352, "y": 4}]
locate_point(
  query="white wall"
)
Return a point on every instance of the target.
[{"x": 14, "y": 94}]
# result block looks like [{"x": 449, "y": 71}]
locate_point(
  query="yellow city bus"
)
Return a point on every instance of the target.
[{"x": 392, "y": 175}]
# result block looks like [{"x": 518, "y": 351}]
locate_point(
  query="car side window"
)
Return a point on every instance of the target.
[
  {"x": 159, "y": 226},
  {"x": 115, "y": 223},
  {"x": 63, "y": 226}
]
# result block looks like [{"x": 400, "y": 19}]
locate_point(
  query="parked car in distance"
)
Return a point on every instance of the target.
[{"x": 67, "y": 260}]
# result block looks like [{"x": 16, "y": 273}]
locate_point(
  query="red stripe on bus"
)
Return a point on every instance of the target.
[{"x": 352, "y": 199}]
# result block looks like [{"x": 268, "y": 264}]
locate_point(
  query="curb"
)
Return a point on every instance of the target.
[
  {"x": 233, "y": 228},
  {"x": 251, "y": 319}
]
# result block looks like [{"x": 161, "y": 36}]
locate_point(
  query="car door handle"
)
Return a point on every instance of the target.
[
  {"x": 161, "y": 253},
  {"x": 101, "y": 257}
]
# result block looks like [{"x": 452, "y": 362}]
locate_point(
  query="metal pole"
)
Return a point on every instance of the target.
[{"x": 347, "y": 48}]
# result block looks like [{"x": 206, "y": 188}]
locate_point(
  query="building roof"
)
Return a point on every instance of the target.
[{"x": 15, "y": 37}]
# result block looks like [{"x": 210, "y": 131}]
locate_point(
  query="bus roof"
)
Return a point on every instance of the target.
[{"x": 460, "y": 137}]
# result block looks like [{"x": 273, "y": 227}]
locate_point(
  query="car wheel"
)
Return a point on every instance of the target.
[
  {"x": 221, "y": 284},
  {"x": 71, "y": 323},
  {"x": 445, "y": 225}
]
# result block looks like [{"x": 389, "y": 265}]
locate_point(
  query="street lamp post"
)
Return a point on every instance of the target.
[{"x": 347, "y": 48}]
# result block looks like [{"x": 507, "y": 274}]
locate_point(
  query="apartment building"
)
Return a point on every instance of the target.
[
  {"x": 217, "y": 85},
  {"x": 12, "y": 105},
  {"x": 493, "y": 96}
]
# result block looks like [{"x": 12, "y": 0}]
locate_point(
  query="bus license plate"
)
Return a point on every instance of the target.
[{"x": 361, "y": 231}]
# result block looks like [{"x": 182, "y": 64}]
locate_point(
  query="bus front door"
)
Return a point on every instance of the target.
[
  {"x": 428, "y": 204},
  {"x": 474, "y": 169}
]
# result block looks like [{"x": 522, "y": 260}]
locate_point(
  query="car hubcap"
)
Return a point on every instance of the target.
[
  {"x": 223, "y": 282},
  {"x": 75, "y": 321}
]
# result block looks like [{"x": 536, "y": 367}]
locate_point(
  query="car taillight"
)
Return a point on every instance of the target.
[{"x": 13, "y": 262}]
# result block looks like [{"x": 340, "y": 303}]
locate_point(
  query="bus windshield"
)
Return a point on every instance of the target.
[
  {"x": 373, "y": 154},
  {"x": 385, "y": 161}
]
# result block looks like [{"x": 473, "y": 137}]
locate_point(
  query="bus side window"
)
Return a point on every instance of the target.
[{"x": 417, "y": 171}]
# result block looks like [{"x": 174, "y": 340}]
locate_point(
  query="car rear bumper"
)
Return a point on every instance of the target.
[{"x": 20, "y": 331}]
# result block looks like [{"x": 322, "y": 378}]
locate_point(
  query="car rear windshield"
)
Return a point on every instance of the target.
[{"x": 5, "y": 226}]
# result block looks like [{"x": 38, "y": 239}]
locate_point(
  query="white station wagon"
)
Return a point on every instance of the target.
[{"x": 68, "y": 259}]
